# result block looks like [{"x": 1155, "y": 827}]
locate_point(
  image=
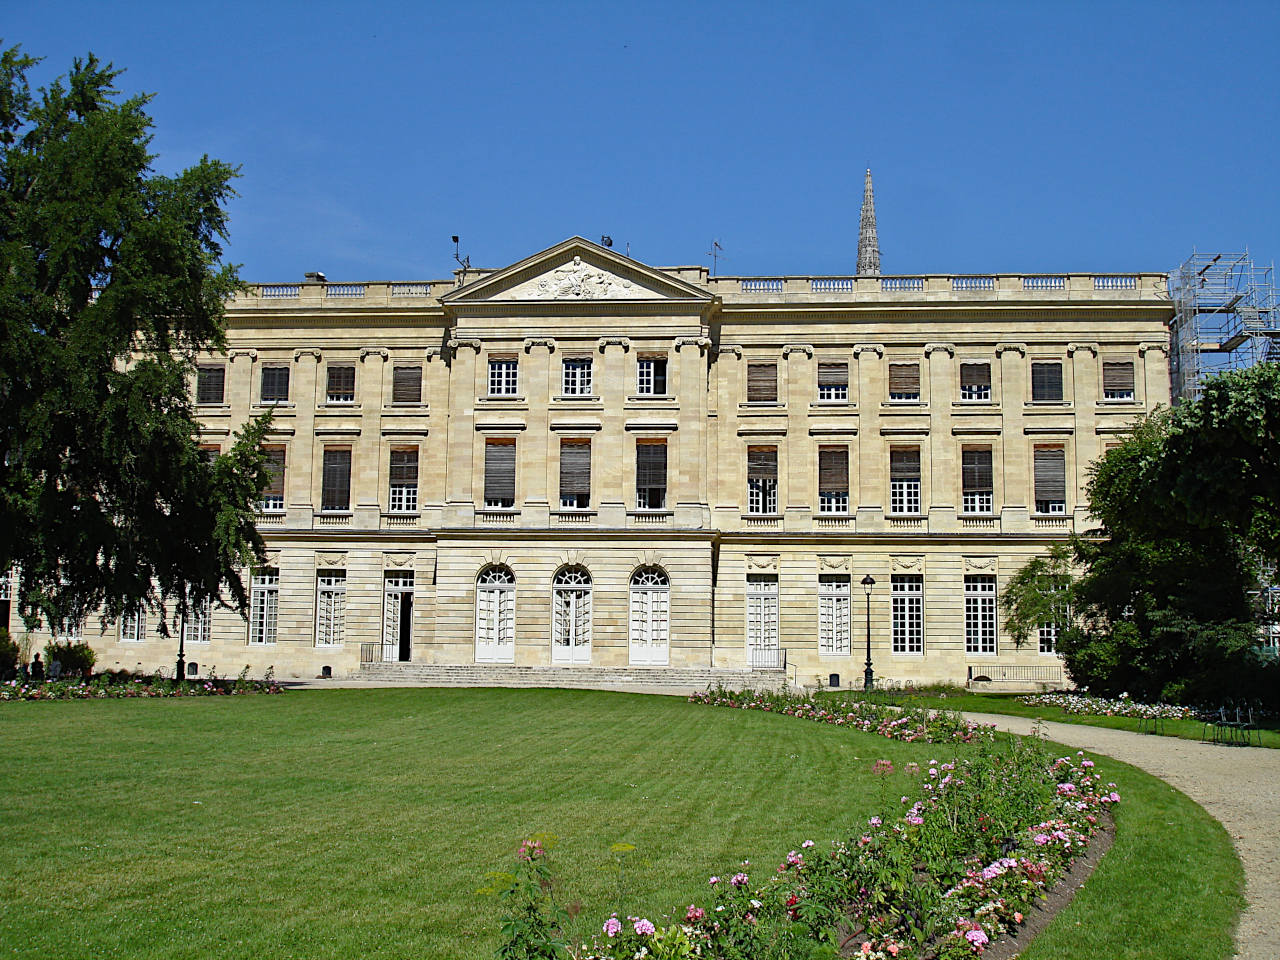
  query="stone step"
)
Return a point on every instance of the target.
[{"x": 595, "y": 678}]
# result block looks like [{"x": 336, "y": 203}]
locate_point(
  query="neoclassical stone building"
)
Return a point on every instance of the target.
[{"x": 581, "y": 463}]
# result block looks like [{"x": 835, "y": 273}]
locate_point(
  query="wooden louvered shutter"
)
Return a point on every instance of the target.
[
  {"x": 762, "y": 463},
  {"x": 1051, "y": 473},
  {"x": 1117, "y": 378},
  {"x": 975, "y": 469},
  {"x": 500, "y": 471},
  {"x": 833, "y": 374},
  {"x": 406, "y": 385},
  {"x": 904, "y": 463},
  {"x": 651, "y": 465},
  {"x": 762, "y": 383},
  {"x": 1046, "y": 381},
  {"x": 275, "y": 470},
  {"x": 404, "y": 465},
  {"x": 275, "y": 384},
  {"x": 833, "y": 470},
  {"x": 342, "y": 381},
  {"x": 210, "y": 383},
  {"x": 975, "y": 376},
  {"x": 904, "y": 379},
  {"x": 336, "y": 480},
  {"x": 575, "y": 468}
]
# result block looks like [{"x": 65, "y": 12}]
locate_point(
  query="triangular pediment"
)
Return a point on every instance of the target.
[{"x": 575, "y": 270}]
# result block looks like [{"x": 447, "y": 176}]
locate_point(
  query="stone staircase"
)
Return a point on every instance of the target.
[{"x": 634, "y": 679}]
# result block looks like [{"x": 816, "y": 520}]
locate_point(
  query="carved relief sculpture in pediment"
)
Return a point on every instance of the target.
[{"x": 578, "y": 280}]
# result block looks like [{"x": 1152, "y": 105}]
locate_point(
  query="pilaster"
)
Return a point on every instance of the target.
[
  {"x": 607, "y": 462},
  {"x": 370, "y": 462},
  {"x": 689, "y": 443},
  {"x": 301, "y": 462},
  {"x": 801, "y": 457},
  {"x": 536, "y": 461},
  {"x": 462, "y": 492}
]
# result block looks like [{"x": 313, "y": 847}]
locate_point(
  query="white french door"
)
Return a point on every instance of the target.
[
  {"x": 650, "y": 618},
  {"x": 496, "y": 617},
  {"x": 571, "y": 617}
]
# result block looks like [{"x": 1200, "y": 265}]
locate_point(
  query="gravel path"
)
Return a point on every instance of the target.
[{"x": 1239, "y": 786}]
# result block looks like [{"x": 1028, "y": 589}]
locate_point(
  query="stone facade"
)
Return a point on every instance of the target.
[{"x": 941, "y": 395}]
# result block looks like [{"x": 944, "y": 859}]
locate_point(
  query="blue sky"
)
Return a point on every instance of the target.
[{"x": 1003, "y": 137}]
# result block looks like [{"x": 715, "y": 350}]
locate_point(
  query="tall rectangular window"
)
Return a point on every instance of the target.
[
  {"x": 197, "y": 625},
  {"x": 833, "y": 479},
  {"x": 341, "y": 386},
  {"x": 500, "y": 474},
  {"x": 907, "y": 613},
  {"x": 1046, "y": 381},
  {"x": 833, "y": 616},
  {"x": 762, "y": 611},
  {"x": 904, "y": 381},
  {"x": 576, "y": 377},
  {"x": 651, "y": 376},
  {"x": 833, "y": 382},
  {"x": 1117, "y": 381},
  {"x": 275, "y": 385},
  {"x": 975, "y": 476},
  {"x": 1050, "y": 630},
  {"x": 335, "y": 479},
  {"x": 904, "y": 480},
  {"x": 575, "y": 474},
  {"x": 273, "y": 497},
  {"x": 762, "y": 383},
  {"x": 404, "y": 480},
  {"x": 979, "y": 614},
  {"x": 762, "y": 480},
  {"x": 503, "y": 376},
  {"x": 975, "y": 381},
  {"x": 133, "y": 627},
  {"x": 264, "y": 604},
  {"x": 331, "y": 607},
  {"x": 651, "y": 474},
  {"x": 406, "y": 384},
  {"x": 1050, "y": 465},
  {"x": 210, "y": 383}
]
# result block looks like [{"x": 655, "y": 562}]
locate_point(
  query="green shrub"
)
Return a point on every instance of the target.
[
  {"x": 77, "y": 659},
  {"x": 8, "y": 656}
]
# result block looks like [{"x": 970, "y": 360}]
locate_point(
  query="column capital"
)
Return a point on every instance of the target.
[
  {"x": 307, "y": 352},
  {"x": 548, "y": 342},
  {"x": 1073, "y": 348},
  {"x": 456, "y": 343},
  {"x": 1159, "y": 347},
  {"x": 948, "y": 348},
  {"x": 367, "y": 352},
  {"x": 701, "y": 343},
  {"x": 1019, "y": 348},
  {"x": 790, "y": 348},
  {"x": 623, "y": 342},
  {"x": 860, "y": 348},
  {"x": 729, "y": 348},
  {"x": 251, "y": 355}
]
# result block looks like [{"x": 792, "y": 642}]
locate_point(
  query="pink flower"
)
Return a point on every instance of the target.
[
  {"x": 739, "y": 879},
  {"x": 713, "y": 881},
  {"x": 644, "y": 927},
  {"x": 977, "y": 938},
  {"x": 807, "y": 844},
  {"x": 694, "y": 914},
  {"x": 866, "y": 947},
  {"x": 612, "y": 926},
  {"x": 874, "y": 821}
]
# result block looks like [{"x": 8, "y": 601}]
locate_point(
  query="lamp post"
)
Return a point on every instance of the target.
[
  {"x": 868, "y": 677},
  {"x": 182, "y": 655}
]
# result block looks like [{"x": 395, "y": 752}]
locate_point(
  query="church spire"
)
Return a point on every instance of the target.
[{"x": 868, "y": 242}]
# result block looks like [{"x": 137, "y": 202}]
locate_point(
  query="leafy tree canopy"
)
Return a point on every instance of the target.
[{"x": 111, "y": 285}]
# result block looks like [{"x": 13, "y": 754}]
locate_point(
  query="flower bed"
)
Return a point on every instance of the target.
[
  {"x": 111, "y": 686},
  {"x": 1084, "y": 705}
]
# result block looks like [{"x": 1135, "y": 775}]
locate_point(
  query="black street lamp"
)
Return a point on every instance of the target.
[
  {"x": 182, "y": 656},
  {"x": 868, "y": 677}
]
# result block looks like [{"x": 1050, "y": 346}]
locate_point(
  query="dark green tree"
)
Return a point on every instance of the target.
[{"x": 111, "y": 285}]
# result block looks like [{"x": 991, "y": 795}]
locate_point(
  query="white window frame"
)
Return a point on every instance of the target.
[
  {"x": 646, "y": 368},
  {"x": 762, "y": 611},
  {"x": 650, "y": 607},
  {"x": 197, "y": 625},
  {"x": 504, "y": 376},
  {"x": 904, "y": 497},
  {"x": 762, "y": 495},
  {"x": 331, "y": 603},
  {"x": 133, "y": 626},
  {"x": 834, "y": 634},
  {"x": 571, "y": 609},
  {"x": 403, "y": 497},
  {"x": 264, "y": 607},
  {"x": 576, "y": 377},
  {"x": 907, "y": 614},
  {"x": 981, "y": 633},
  {"x": 976, "y": 394},
  {"x": 978, "y": 502},
  {"x": 496, "y": 608}
]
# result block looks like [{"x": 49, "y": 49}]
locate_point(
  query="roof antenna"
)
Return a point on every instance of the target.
[
  {"x": 716, "y": 253},
  {"x": 464, "y": 262},
  {"x": 606, "y": 241}
]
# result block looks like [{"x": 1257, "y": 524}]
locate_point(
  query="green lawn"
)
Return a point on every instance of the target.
[{"x": 358, "y": 823}]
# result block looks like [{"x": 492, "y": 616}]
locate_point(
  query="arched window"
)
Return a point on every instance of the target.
[
  {"x": 571, "y": 616},
  {"x": 495, "y": 615},
  {"x": 650, "y": 615}
]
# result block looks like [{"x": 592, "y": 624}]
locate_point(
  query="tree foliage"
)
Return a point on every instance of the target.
[{"x": 111, "y": 285}]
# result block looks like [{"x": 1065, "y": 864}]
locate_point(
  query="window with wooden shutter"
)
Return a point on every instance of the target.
[
  {"x": 651, "y": 474},
  {"x": 500, "y": 474},
  {"x": 975, "y": 476},
  {"x": 904, "y": 381},
  {"x": 275, "y": 385},
  {"x": 833, "y": 479},
  {"x": 1046, "y": 381},
  {"x": 210, "y": 383},
  {"x": 975, "y": 381},
  {"x": 406, "y": 384},
  {"x": 342, "y": 385},
  {"x": 335, "y": 482},
  {"x": 762, "y": 383},
  {"x": 273, "y": 497},
  {"x": 833, "y": 381},
  {"x": 904, "y": 480},
  {"x": 762, "y": 480},
  {"x": 575, "y": 474},
  {"x": 404, "y": 480},
  {"x": 1117, "y": 381},
  {"x": 1051, "y": 479}
]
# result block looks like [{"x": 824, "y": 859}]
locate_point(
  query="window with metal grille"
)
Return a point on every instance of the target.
[
  {"x": 331, "y": 607},
  {"x": 210, "y": 383},
  {"x": 975, "y": 381},
  {"x": 907, "y": 613},
  {"x": 197, "y": 625},
  {"x": 904, "y": 480},
  {"x": 341, "y": 385},
  {"x": 335, "y": 479},
  {"x": 762, "y": 383},
  {"x": 404, "y": 480},
  {"x": 1117, "y": 381},
  {"x": 762, "y": 480},
  {"x": 651, "y": 376},
  {"x": 275, "y": 385},
  {"x": 1050, "y": 467},
  {"x": 979, "y": 614},
  {"x": 976, "y": 480},
  {"x": 496, "y": 610},
  {"x": 273, "y": 496},
  {"x": 133, "y": 627},
  {"x": 651, "y": 474},
  {"x": 576, "y": 380},
  {"x": 762, "y": 611},
  {"x": 406, "y": 384},
  {"x": 500, "y": 474},
  {"x": 833, "y": 479},
  {"x": 833, "y": 616},
  {"x": 904, "y": 381},
  {"x": 503, "y": 376},
  {"x": 833, "y": 381},
  {"x": 1046, "y": 381},
  {"x": 264, "y": 605},
  {"x": 575, "y": 474}
]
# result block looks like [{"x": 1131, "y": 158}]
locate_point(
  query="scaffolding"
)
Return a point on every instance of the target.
[{"x": 1226, "y": 318}]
